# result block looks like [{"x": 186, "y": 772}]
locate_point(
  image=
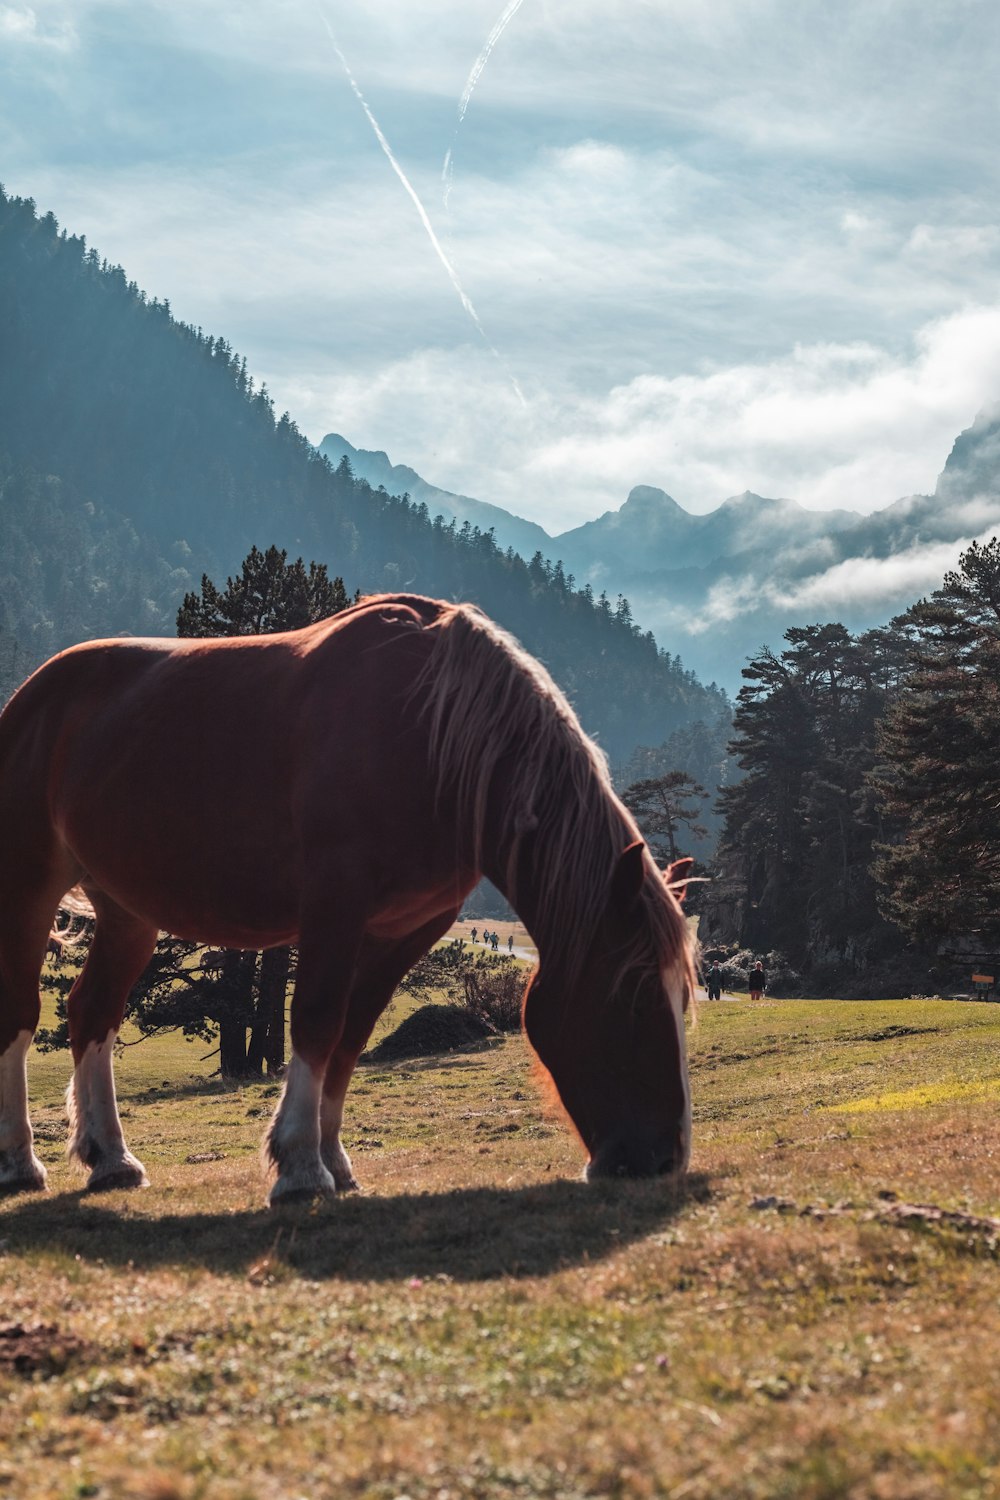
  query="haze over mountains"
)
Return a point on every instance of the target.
[
  {"x": 720, "y": 585},
  {"x": 137, "y": 453}
]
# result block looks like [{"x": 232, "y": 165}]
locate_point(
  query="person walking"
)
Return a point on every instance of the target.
[
  {"x": 758, "y": 981},
  {"x": 713, "y": 982}
]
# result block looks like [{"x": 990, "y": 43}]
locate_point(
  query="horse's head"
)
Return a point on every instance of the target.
[{"x": 615, "y": 1045}]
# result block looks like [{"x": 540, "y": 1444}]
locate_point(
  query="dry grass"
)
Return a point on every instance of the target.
[{"x": 479, "y": 1323}]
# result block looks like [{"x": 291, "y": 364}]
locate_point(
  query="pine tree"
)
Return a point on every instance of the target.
[
  {"x": 270, "y": 594},
  {"x": 801, "y": 824},
  {"x": 662, "y": 806},
  {"x": 938, "y": 773}
]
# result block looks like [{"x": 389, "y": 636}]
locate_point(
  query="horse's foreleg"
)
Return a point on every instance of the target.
[
  {"x": 24, "y": 929},
  {"x": 329, "y": 945},
  {"x": 20, "y": 1169},
  {"x": 379, "y": 971},
  {"x": 121, "y": 948}
]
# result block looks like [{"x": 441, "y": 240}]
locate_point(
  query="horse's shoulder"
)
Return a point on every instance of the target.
[
  {"x": 378, "y": 616},
  {"x": 405, "y": 609}
]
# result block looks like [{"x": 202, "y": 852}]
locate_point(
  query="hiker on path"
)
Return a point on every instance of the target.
[
  {"x": 758, "y": 981},
  {"x": 713, "y": 982}
]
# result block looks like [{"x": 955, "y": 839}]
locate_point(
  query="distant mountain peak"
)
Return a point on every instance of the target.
[
  {"x": 646, "y": 502},
  {"x": 375, "y": 466},
  {"x": 648, "y": 494},
  {"x": 749, "y": 500}
]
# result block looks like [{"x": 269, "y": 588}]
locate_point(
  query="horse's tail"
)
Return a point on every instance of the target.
[{"x": 75, "y": 912}]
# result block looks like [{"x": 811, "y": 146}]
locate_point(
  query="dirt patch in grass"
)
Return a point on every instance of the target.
[
  {"x": 31, "y": 1349},
  {"x": 890, "y": 1033}
]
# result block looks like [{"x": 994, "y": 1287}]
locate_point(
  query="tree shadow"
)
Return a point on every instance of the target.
[
  {"x": 467, "y": 1235},
  {"x": 195, "y": 1087}
]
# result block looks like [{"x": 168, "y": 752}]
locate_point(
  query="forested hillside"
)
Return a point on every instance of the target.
[{"x": 137, "y": 453}]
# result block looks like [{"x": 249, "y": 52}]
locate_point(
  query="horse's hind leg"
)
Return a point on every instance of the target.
[
  {"x": 25, "y": 922},
  {"x": 121, "y": 948}
]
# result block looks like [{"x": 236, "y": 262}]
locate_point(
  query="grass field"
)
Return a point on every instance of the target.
[{"x": 480, "y": 1323}]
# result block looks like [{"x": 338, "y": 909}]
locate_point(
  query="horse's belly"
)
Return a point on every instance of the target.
[
  {"x": 408, "y": 911},
  {"x": 243, "y": 902}
]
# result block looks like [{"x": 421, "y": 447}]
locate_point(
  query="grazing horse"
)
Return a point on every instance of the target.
[{"x": 342, "y": 787}]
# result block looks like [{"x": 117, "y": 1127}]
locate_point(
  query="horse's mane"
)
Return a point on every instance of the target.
[{"x": 487, "y": 702}]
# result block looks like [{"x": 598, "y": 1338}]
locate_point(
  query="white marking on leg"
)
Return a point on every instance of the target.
[
  {"x": 673, "y": 983},
  {"x": 331, "y": 1118},
  {"x": 293, "y": 1141},
  {"x": 19, "y": 1166},
  {"x": 96, "y": 1137}
]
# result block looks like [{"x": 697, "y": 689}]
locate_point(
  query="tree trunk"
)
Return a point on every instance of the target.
[
  {"x": 267, "y": 1041},
  {"x": 238, "y": 976},
  {"x": 232, "y": 1048}
]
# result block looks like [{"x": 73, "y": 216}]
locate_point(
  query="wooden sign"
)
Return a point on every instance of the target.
[{"x": 982, "y": 978}]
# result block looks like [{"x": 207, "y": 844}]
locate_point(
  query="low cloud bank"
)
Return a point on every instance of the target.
[{"x": 832, "y": 426}]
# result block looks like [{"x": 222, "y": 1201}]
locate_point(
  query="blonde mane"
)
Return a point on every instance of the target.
[{"x": 487, "y": 702}]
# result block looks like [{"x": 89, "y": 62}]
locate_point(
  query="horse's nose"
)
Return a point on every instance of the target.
[{"x": 639, "y": 1156}]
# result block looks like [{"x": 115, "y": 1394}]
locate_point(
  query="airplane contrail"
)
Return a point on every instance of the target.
[
  {"x": 509, "y": 12},
  {"x": 424, "y": 219}
]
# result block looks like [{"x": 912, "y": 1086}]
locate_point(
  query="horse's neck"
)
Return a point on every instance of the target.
[
  {"x": 507, "y": 860},
  {"x": 543, "y": 881},
  {"x": 520, "y": 893}
]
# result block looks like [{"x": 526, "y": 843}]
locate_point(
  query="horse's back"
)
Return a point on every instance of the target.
[
  {"x": 204, "y": 767},
  {"x": 102, "y": 703}
]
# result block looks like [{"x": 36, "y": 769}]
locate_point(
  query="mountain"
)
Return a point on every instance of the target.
[
  {"x": 137, "y": 453},
  {"x": 721, "y": 585},
  {"x": 652, "y": 527},
  {"x": 375, "y": 467}
]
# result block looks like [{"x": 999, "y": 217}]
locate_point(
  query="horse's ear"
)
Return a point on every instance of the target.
[
  {"x": 676, "y": 876},
  {"x": 626, "y": 882}
]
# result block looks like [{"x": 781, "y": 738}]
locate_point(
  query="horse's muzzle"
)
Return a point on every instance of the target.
[{"x": 630, "y": 1156}]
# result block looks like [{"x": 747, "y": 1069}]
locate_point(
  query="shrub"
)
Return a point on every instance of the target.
[{"x": 494, "y": 988}]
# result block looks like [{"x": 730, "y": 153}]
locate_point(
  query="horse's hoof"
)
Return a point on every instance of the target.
[
  {"x": 295, "y": 1197},
  {"x": 29, "y": 1182},
  {"x": 338, "y": 1164},
  {"x": 125, "y": 1175},
  {"x": 301, "y": 1189},
  {"x": 21, "y": 1172}
]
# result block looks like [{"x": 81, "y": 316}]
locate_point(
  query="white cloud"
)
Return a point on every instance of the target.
[
  {"x": 831, "y": 426},
  {"x": 860, "y": 587},
  {"x": 721, "y": 247},
  {"x": 938, "y": 241},
  {"x": 874, "y": 585},
  {"x": 19, "y": 23}
]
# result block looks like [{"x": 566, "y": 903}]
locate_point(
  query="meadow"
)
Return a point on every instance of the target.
[{"x": 816, "y": 1313}]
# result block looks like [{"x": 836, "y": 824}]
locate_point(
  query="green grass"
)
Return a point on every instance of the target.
[{"x": 480, "y": 1323}]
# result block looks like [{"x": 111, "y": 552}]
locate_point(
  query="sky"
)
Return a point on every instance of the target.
[{"x": 707, "y": 245}]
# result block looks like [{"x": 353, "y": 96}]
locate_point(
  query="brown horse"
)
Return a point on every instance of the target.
[{"x": 342, "y": 787}]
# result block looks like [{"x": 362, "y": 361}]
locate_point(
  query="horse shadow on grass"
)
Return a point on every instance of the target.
[{"x": 467, "y": 1235}]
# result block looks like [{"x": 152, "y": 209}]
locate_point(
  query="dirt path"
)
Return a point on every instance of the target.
[{"x": 524, "y": 948}]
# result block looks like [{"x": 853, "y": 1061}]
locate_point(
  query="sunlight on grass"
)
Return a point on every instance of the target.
[
  {"x": 920, "y": 1098},
  {"x": 479, "y": 1324}
]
